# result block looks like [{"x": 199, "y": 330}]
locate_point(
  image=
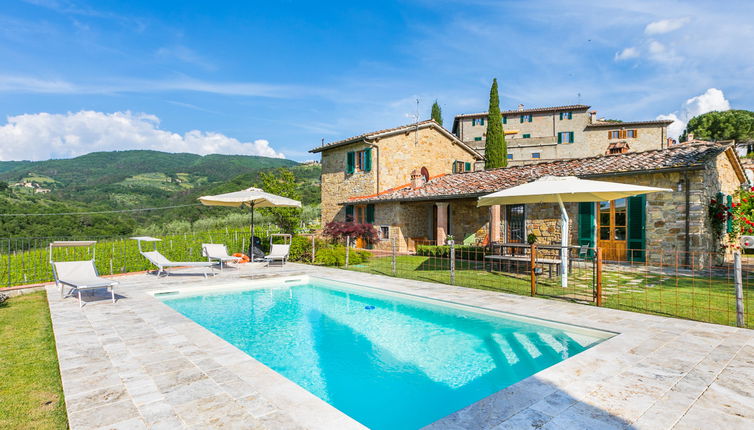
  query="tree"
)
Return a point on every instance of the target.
[
  {"x": 730, "y": 124},
  {"x": 283, "y": 183},
  {"x": 436, "y": 113},
  {"x": 495, "y": 148}
]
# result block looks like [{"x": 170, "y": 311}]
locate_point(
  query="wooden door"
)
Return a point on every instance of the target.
[{"x": 612, "y": 229}]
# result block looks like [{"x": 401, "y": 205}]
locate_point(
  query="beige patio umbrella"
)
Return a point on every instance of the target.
[
  {"x": 561, "y": 189},
  {"x": 253, "y": 198}
]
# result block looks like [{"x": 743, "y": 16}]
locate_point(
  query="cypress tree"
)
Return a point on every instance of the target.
[
  {"x": 495, "y": 148},
  {"x": 437, "y": 113}
]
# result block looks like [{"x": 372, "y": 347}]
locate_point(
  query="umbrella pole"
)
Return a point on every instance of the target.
[
  {"x": 251, "y": 240},
  {"x": 563, "y": 243}
]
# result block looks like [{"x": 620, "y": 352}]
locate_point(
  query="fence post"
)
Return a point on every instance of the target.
[
  {"x": 348, "y": 248},
  {"x": 313, "y": 250},
  {"x": 395, "y": 273},
  {"x": 8, "y": 262},
  {"x": 737, "y": 278},
  {"x": 533, "y": 265},
  {"x": 599, "y": 276},
  {"x": 452, "y": 244}
]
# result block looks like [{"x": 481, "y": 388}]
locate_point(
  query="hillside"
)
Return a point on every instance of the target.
[{"x": 126, "y": 180}]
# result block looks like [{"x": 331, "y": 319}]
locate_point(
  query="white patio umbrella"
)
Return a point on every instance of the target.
[
  {"x": 251, "y": 197},
  {"x": 561, "y": 189}
]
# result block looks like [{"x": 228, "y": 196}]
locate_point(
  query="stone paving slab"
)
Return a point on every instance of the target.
[{"x": 139, "y": 364}]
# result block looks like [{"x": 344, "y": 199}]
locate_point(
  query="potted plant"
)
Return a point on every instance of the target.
[{"x": 531, "y": 239}]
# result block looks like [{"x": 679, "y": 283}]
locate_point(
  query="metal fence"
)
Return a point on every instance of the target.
[{"x": 706, "y": 287}]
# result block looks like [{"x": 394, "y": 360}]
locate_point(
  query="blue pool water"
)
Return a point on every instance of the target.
[{"x": 389, "y": 362}]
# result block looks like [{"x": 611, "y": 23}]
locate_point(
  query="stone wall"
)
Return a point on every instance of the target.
[
  {"x": 650, "y": 136},
  {"x": 338, "y": 186}
]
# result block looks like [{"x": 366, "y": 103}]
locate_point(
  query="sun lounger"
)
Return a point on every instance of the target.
[
  {"x": 278, "y": 254},
  {"x": 217, "y": 251},
  {"x": 80, "y": 275},
  {"x": 162, "y": 262}
]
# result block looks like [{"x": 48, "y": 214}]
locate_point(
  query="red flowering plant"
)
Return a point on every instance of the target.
[
  {"x": 337, "y": 231},
  {"x": 741, "y": 214}
]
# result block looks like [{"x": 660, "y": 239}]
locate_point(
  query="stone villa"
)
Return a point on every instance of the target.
[
  {"x": 417, "y": 183},
  {"x": 555, "y": 133}
]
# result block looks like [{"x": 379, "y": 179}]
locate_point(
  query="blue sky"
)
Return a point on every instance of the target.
[{"x": 277, "y": 77}]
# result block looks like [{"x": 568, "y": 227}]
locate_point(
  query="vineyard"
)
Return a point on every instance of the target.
[{"x": 27, "y": 261}]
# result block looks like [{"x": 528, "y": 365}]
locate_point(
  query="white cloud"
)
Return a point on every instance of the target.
[
  {"x": 627, "y": 54},
  {"x": 712, "y": 100},
  {"x": 661, "y": 53},
  {"x": 44, "y": 135},
  {"x": 665, "y": 25}
]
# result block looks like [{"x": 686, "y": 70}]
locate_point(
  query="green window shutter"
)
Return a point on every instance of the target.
[
  {"x": 370, "y": 214},
  {"x": 729, "y": 222},
  {"x": 505, "y": 120},
  {"x": 561, "y": 115},
  {"x": 570, "y": 115},
  {"x": 481, "y": 121},
  {"x": 522, "y": 118},
  {"x": 570, "y": 136},
  {"x": 467, "y": 167},
  {"x": 530, "y": 117},
  {"x": 350, "y": 162},
  {"x": 560, "y": 137},
  {"x": 368, "y": 159},
  {"x": 586, "y": 225},
  {"x": 455, "y": 169},
  {"x": 349, "y": 213},
  {"x": 637, "y": 217}
]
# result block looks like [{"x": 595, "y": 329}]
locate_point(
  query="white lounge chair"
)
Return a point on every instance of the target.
[
  {"x": 80, "y": 275},
  {"x": 217, "y": 251},
  {"x": 162, "y": 262},
  {"x": 278, "y": 254}
]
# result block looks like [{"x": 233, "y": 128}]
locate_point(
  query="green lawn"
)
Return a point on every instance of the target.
[
  {"x": 708, "y": 299},
  {"x": 31, "y": 396}
]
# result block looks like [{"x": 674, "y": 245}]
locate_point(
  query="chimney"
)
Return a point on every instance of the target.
[
  {"x": 690, "y": 137},
  {"x": 520, "y": 107},
  {"x": 671, "y": 141},
  {"x": 417, "y": 179},
  {"x": 592, "y": 116}
]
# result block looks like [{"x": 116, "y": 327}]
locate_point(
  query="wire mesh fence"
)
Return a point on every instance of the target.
[{"x": 696, "y": 286}]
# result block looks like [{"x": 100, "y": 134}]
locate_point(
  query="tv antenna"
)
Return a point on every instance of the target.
[{"x": 416, "y": 119}]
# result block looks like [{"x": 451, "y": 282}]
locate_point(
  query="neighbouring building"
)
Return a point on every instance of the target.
[
  {"x": 562, "y": 132},
  {"x": 625, "y": 228},
  {"x": 377, "y": 162}
]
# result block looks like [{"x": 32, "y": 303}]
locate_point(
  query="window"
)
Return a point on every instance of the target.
[
  {"x": 623, "y": 134},
  {"x": 477, "y": 121},
  {"x": 515, "y": 217},
  {"x": 461, "y": 166},
  {"x": 359, "y": 161},
  {"x": 566, "y": 115},
  {"x": 526, "y": 135},
  {"x": 384, "y": 232},
  {"x": 535, "y": 155},
  {"x": 526, "y": 118},
  {"x": 510, "y": 156},
  {"x": 477, "y": 139},
  {"x": 565, "y": 137},
  {"x": 360, "y": 214}
]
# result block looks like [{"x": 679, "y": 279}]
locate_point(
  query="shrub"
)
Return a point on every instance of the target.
[
  {"x": 338, "y": 231},
  {"x": 301, "y": 248},
  {"x": 463, "y": 252},
  {"x": 336, "y": 256}
]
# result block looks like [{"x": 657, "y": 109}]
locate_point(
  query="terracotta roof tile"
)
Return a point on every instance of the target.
[
  {"x": 471, "y": 184},
  {"x": 613, "y": 124},
  {"x": 524, "y": 111},
  {"x": 370, "y": 134}
]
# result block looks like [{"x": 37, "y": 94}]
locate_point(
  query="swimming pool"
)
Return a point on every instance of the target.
[{"x": 390, "y": 361}]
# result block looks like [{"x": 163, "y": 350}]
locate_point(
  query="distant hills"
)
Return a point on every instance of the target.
[{"x": 130, "y": 179}]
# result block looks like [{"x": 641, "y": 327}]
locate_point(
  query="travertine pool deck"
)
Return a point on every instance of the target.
[{"x": 139, "y": 364}]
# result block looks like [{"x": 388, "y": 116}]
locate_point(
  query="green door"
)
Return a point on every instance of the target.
[{"x": 637, "y": 219}]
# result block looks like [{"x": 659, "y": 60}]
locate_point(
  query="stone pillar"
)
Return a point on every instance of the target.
[
  {"x": 495, "y": 223},
  {"x": 442, "y": 222}
]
